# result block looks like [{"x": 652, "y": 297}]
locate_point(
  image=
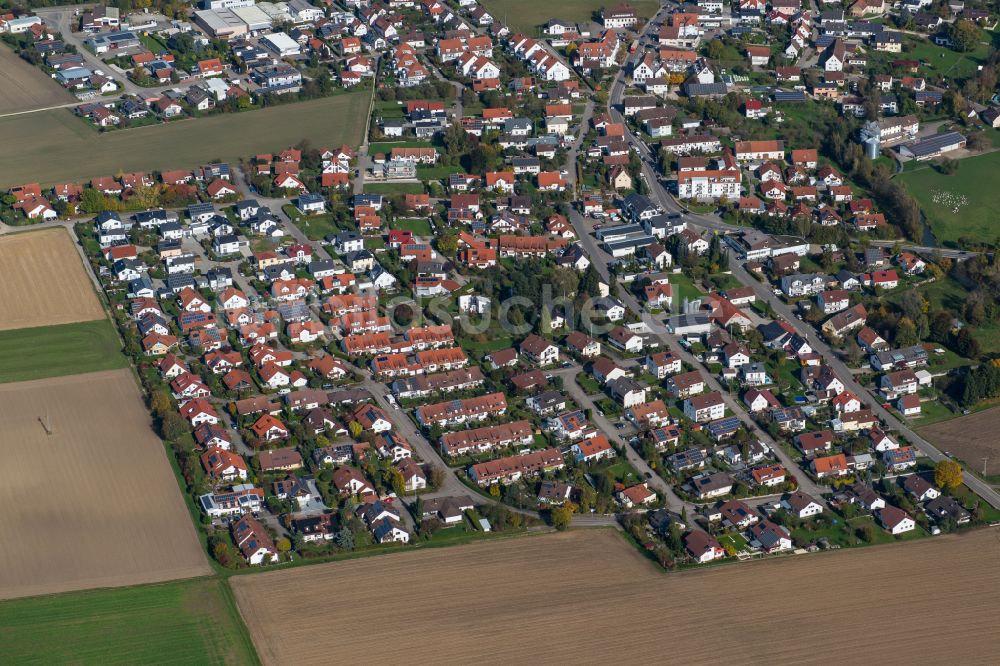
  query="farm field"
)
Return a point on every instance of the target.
[
  {"x": 44, "y": 281},
  {"x": 24, "y": 87},
  {"x": 970, "y": 439},
  {"x": 54, "y": 351},
  {"x": 587, "y": 596},
  {"x": 960, "y": 204},
  {"x": 525, "y": 16},
  {"x": 94, "y": 504},
  {"x": 187, "y": 622},
  {"x": 54, "y": 146}
]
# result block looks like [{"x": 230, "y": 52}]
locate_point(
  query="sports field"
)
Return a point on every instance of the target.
[
  {"x": 588, "y": 597},
  {"x": 44, "y": 281},
  {"x": 526, "y": 15},
  {"x": 187, "y": 622},
  {"x": 24, "y": 87},
  {"x": 962, "y": 204},
  {"x": 55, "y": 146},
  {"x": 94, "y": 503}
]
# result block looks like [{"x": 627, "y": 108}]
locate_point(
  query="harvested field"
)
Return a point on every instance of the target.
[
  {"x": 95, "y": 503},
  {"x": 24, "y": 87},
  {"x": 55, "y": 146},
  {"x": 588, "y": 597},
  {"x": 186, "y": 622},
  {"x": 970, "y": 439},
  {"x": 44, "y": 281}
]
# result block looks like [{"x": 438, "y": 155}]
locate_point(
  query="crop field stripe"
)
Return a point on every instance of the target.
[
  {"x": 55, "y": 351},
  {"x": 188, "y": 622},
  {"x": 54, "y": 146}
]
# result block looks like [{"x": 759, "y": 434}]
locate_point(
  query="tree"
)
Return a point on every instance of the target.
[
  {"x": 966, "y": 345},
  {"x": 948, "y": 474},
  {"x": 398, "y": 482},
  {"x": 355, "y": 429},
  {"x": 562, "y": 516},
  {"x": 283, "y": 545},
  {"x": 173, "y": 425},
  {"x": 345, "y": 539},
  {"x": 965, "y": 35},
  {"x": 93, "y": 201},
  {"x": 947, "y": 166},
  {"x": 448, "y": 244}
]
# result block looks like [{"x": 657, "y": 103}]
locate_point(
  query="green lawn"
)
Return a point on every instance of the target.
[
  {"x": 436, "y": 173},
  {"x": 54, "y": 146},
  {"x": 959, "y": 205},
  {"x": 525, "y": 16},
  {"x": 54, "y": 351},
  {"x": 942, "y": 61},
  {"x": 738, "y": 541},
  {"x": 931, "y": 411},
  {"x": 394, "y": 188},
  {"x": 683, "y": 289},
  {"x": 588, "y": 384},
  {"x": 420, "y": 226},
  {"x": 316, "y": 227},
  {"x": 189, "y": 622}
]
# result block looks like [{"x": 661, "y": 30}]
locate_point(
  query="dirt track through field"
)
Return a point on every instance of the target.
[
  {"x": 970, "y": 439},
  {"x": 588, "y": 597},
  {"x": 24, "y": 87},
  {"x": 95, "y": 503},
  {"x": 44, "y": 281}
]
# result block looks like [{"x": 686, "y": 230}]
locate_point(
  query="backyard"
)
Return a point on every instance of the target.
[{"x": 419, "y": 226}]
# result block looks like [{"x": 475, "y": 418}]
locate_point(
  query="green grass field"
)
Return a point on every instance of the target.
[
  {"x": 526, "y": 16},
  {"x": 943, "y": 61},
  {"x": 189, "y": 622},
  {"x": 54, "y": 351},
  {"x": 54, "y": 146},
  {"x": 394, "y": 188},
  {"x": 960, "y": 204},
  {"x": 418, "y": 225},
  {"x": 437, "y": 173}
]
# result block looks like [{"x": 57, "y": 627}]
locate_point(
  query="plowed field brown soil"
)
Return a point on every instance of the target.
[
  {"x": 95, "y": 503},
  {"x": 588, "y": 597}
]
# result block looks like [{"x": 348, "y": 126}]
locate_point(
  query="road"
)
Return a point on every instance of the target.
[
  {"x": 601, "y": 259},
  {"x": 64, "y": 20},
  {"x": 652, "y": 479},
  {"x": 764, "y": 293}
]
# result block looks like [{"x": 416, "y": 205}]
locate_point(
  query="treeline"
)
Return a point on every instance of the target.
[
  {"x": 982, "y": 383},
  {"x": 892, "y": 197}
]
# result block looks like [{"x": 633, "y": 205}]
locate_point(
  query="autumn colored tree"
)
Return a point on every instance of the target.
[
  {"x": 948, "y": 474},
  {"x": 562, "y": 516}
]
